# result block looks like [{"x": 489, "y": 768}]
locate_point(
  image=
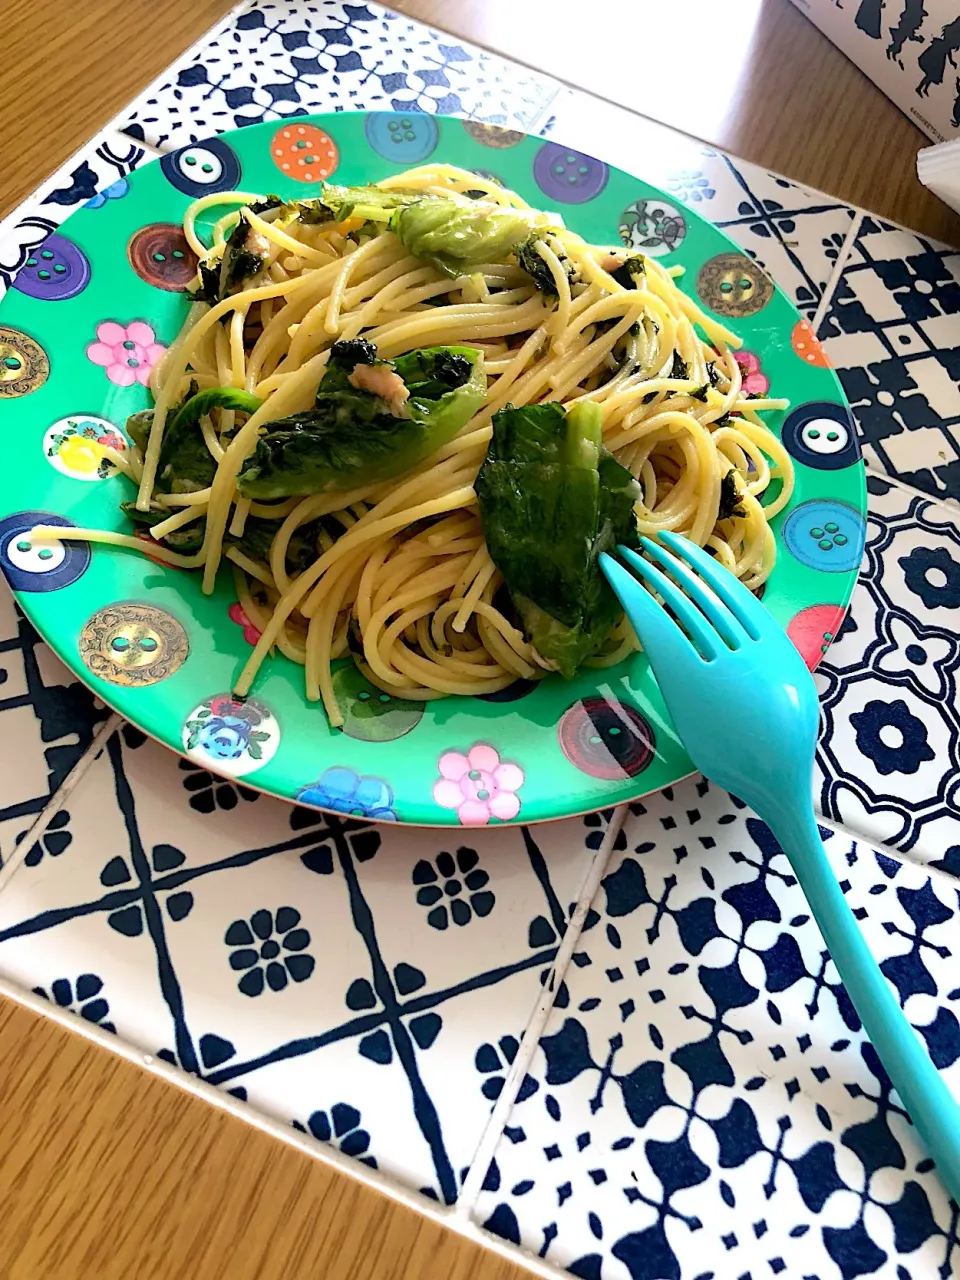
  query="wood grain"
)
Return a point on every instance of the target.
[
  {"x": 105, "y": 1171},
  {"x": 68, "y": 67}
]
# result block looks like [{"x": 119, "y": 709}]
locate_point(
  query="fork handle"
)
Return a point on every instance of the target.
[{"x": 930, "y": 1104}]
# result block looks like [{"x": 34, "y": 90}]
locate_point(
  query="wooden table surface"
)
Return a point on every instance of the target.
[{"x": 106, "y": 1171}]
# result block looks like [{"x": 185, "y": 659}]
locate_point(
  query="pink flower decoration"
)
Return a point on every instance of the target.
[
  {"x": 478, "y": 786},
  {"x": 127, "y": 352},
  {"x": 236, "y": 614},
  {"x": 754, "y": 382}
]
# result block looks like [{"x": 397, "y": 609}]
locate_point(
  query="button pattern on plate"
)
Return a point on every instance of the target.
[
  {"x": 39, "y": 566},
  {"x": 402, "y": 137},
  {"x": 24, "y": 366},
  {"x": 493, "y": 135},
  {"x": 825, "y": 535},
  {"x": 567, "y": 175},
  {"x": 75, "y": 446},
  {"x": 821, "y": 435},
  {"x": 370, "y": 714},
  {"x": 55, "y": 271},
  {"x": 159, "y": 253},
  {"x": 807, "y": 346},
  {"x": 731, "y": 284},
  {"x": 606, "y": 739},
  {"x": 203, "y": 168},
  {"x": 133, "y": 644},
  {"x": 814, "y": 629},
  {"x": 652, "y": 226},
  {"x": 304, "y": 152}
]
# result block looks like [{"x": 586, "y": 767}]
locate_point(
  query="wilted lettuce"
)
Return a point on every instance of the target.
[
  {"x": 185, "y": 464},
  {"x": 337, "y": 204},
  {"x": 350, "y": 435},
  {"x": 551, "y": 499},
  {"x": 456, "y": 236}
]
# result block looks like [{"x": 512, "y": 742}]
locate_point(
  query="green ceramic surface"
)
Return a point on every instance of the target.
[{"x": 146, "y": 640}]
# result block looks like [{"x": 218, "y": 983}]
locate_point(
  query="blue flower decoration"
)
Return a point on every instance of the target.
[
  {"x": 225, "y": 737},
  {"x": 82, "y": 997},
  {"x": 943, "y": 591},
  {"x": 226, "y": 729},
  {"x": 341, "y": 1128},
  {"x": 909, "y": 754},
  {"x": 269, "y": 950},
  {"x": 116, "y": 191},
  {"x": 345, "y": 791},
  {"x": 461, "y": 882}
]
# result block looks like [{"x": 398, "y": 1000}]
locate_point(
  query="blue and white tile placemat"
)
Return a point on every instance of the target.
[{"x": 616, "y": 1044}]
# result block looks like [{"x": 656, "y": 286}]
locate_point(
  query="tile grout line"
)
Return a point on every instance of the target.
[
  {"x": 543, "y": 115},
  {"x": 43, "y": 819},
  {"x": 879, "y": 474},
  {"x": 843, "y": 257},
  {"x": 881, "y": 847},
  {"x": 493, "y": 1130}
]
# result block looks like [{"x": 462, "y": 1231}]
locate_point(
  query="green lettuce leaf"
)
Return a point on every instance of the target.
[
  {"x": 456, "y": 236},
  {"x": 185, "y": 463},
  {"x": 551, "y": 499},
  {"x": 351, "y": 436},
  {"x": 535, "y": 267},
  {"x": 336, "y": 203}
]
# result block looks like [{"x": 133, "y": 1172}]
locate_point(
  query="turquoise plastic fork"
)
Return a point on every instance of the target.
[{"x": 745, "y": 708}]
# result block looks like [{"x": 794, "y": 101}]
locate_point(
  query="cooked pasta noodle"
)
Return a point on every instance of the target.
[{"x": 400, "y": 574}]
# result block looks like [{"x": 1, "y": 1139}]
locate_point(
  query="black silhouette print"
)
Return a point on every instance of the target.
[
  {"x": 869, "y": 16},
  {"x": 933, "y": 61},
  {"x": 956, "y": 106},
  {"x": 908, "y": 28}
]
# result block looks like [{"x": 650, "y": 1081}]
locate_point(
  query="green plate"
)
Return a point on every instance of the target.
[{"x": 92, "y": 309}]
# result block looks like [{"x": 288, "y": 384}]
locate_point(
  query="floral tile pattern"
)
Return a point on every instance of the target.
[
  {"x": 888, "y": 761},
  {"x": 703, "y": 1102},
  {"x": 275, "y": 60},
  {"x": 893, "y": 334},
  {"x": 310, "y": 963},
  {"x": 794, "y": 234}
]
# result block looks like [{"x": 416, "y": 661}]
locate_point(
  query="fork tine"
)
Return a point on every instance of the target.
[
  {"x": 699, "y": 592},
  {"x": 744, "y": 606},
  {"x": 700, "y": 631},
  {"x": 662, "y": 640}
]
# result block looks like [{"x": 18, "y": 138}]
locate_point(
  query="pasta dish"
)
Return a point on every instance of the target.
[{"x": 408, "y": 417}]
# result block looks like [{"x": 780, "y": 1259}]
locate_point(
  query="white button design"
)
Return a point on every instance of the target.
[
  {"x": 34, "y": 557},
  {"x": 200, "y": 166},
  {"x": 825, "y": 435}
]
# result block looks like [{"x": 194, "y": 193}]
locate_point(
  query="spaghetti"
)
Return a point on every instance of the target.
[{"x": 396, "y": 571}]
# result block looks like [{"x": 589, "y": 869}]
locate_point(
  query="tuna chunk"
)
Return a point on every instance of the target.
[{"x": 380, "y": 380}]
